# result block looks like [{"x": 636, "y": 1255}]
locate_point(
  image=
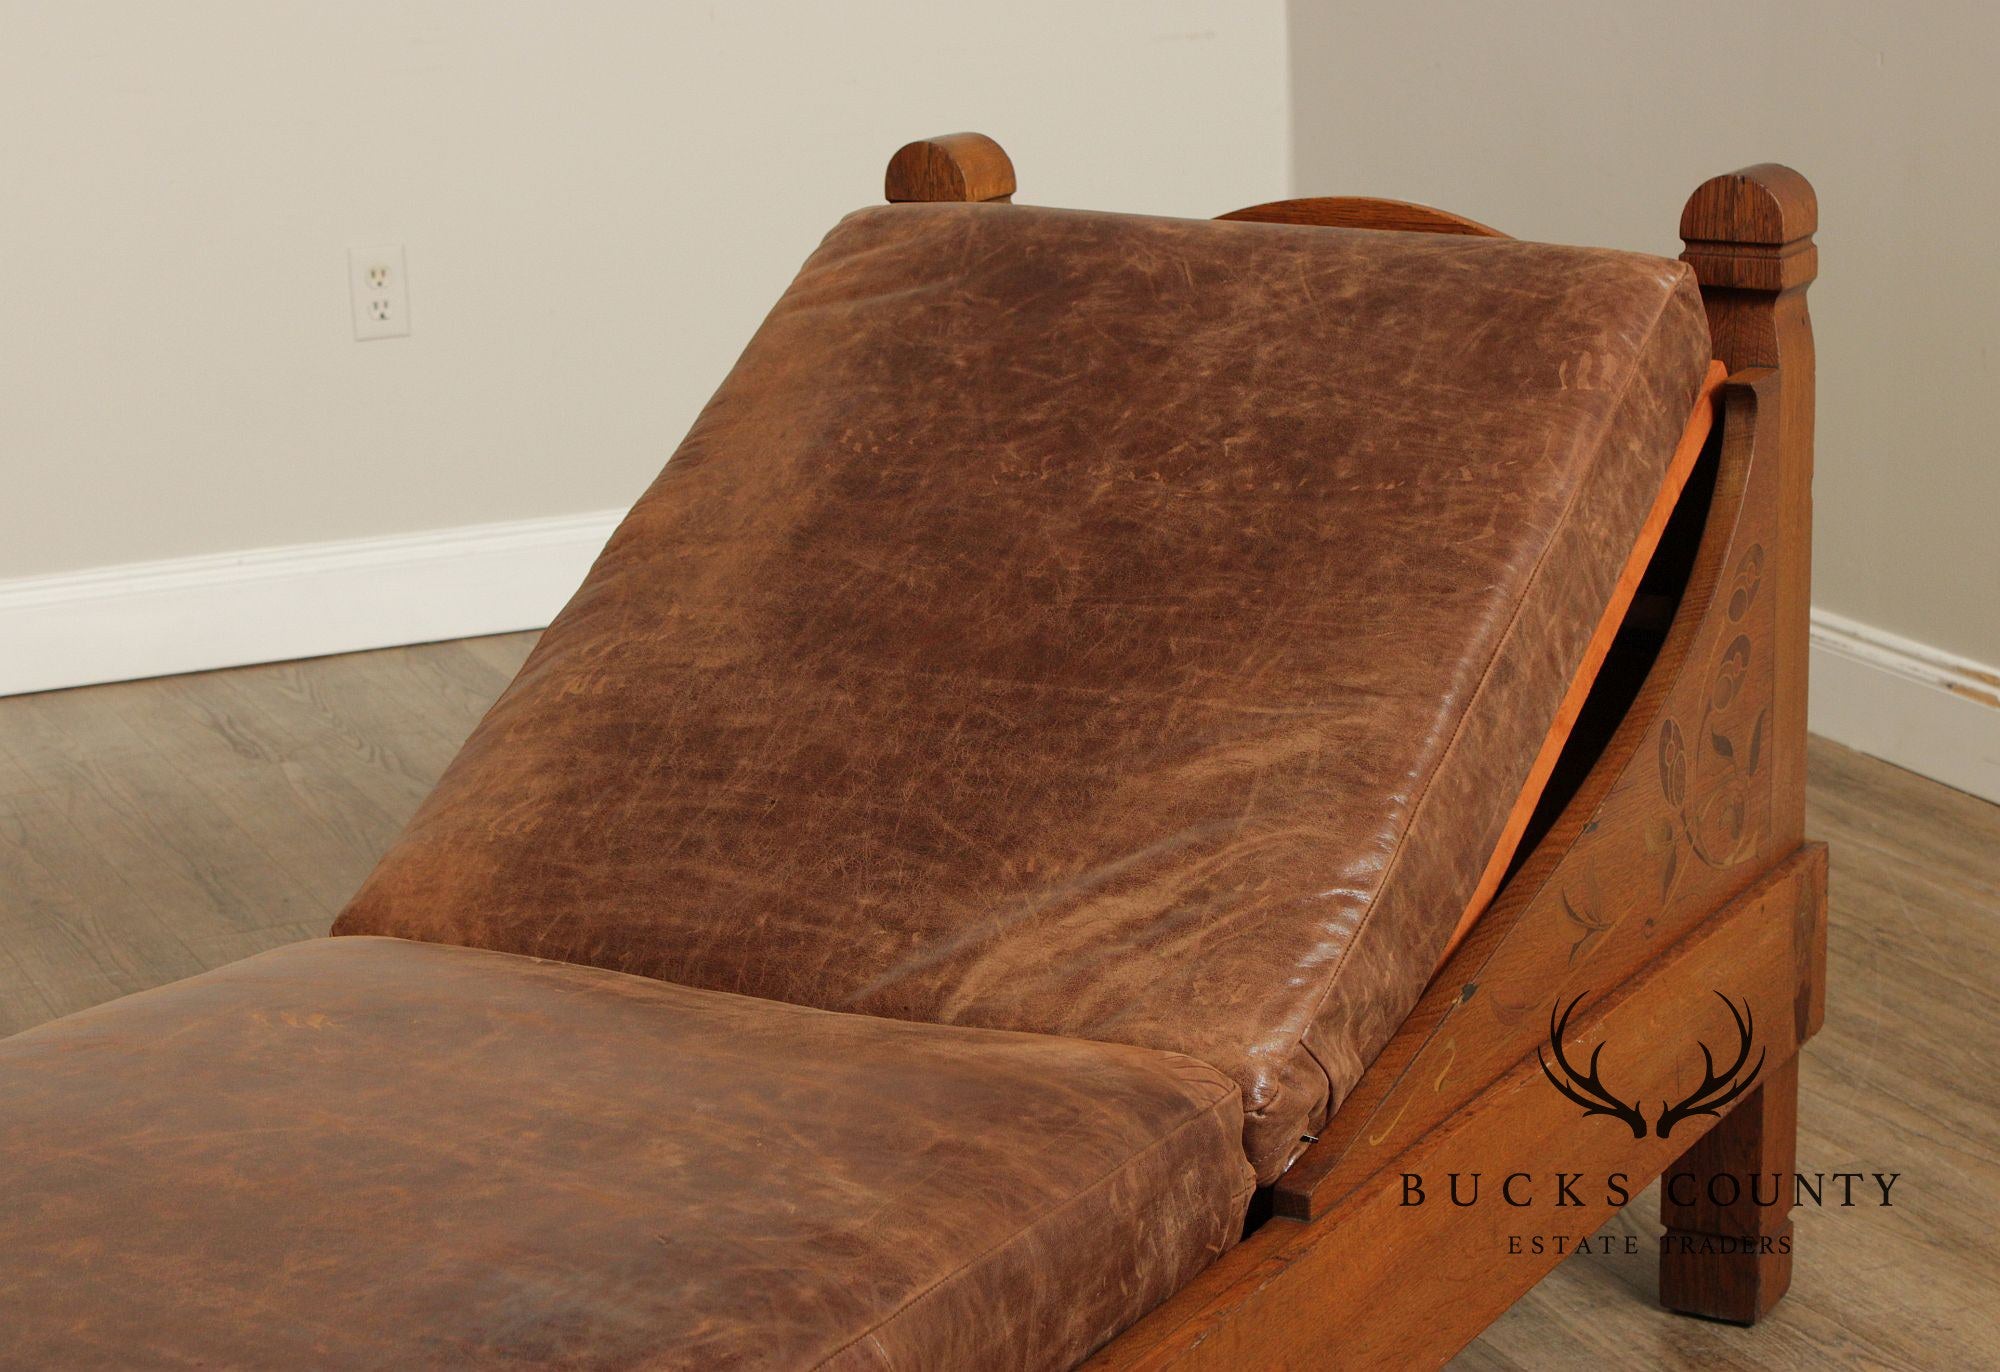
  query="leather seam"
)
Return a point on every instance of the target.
[
  {"x": 1485, "y": 676},
  {"x": 1234, "y": 1093}
]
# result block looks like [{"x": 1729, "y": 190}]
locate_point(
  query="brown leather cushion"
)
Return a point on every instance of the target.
[
  {"x": 371, "y": 1153},
  {"x": 1125, "y": 628}
]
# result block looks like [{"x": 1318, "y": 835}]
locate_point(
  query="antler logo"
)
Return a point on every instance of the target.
[
  {"x": 1588, "y": 1090},
  {"x": 1716, "y": 1089}
]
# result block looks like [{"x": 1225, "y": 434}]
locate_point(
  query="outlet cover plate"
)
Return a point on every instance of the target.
[{"x": 378, "y": 285}]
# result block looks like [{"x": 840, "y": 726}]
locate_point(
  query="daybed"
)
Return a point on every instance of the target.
[{"x": 1115, "y": 743}]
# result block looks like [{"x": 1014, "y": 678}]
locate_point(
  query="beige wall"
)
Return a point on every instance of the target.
[
  {"x": 598, "y": 202},
  {"x": 600, "y": 198},
  {"x": 1581, "y": 121}
]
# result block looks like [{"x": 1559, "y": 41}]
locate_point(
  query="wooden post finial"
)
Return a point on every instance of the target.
[
  {"x": 952, "y": 166},
  {"x": 1752, "y": 230}
]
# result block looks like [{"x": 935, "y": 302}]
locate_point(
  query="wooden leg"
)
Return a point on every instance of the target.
[{"x": 1727, "y": 1205}]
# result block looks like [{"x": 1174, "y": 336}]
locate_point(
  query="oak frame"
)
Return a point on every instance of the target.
[{"x": 1677, "y": 868}]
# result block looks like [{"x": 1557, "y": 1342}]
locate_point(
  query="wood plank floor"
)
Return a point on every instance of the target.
[{"x": 153, "y": 829}]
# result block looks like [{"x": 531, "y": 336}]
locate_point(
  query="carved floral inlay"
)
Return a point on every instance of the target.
[
  {"x": 1708, "y": 776},
  {"x": 1709, "y": 770}
]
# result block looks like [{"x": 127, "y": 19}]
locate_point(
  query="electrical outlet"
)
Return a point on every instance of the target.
[{"x": 378, "y": 285}]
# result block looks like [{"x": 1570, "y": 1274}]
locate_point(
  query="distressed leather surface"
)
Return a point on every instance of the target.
[
  {"x": 1122, "y": 628},
  {"x": 371, "y": 1153}
]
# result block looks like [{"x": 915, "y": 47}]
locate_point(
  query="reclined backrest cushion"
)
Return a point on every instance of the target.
[{"x": 1128, "y": 628}]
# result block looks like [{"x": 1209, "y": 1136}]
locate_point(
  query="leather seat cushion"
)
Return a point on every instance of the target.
[
  {"x": 1125, "y": 628},
  {"x": 373, "y": 1153}
]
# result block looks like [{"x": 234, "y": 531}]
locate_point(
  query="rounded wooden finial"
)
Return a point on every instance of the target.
[
  {"x": 1753, "y": 229},
  {"x": 952, "y": 166},
  {"x": 1767, "y": 203}
]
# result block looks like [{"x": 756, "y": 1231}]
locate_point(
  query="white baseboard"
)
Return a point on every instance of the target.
[
  {"x": 191, "y": 614},
  {"x": 1926, "y": 710}
]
